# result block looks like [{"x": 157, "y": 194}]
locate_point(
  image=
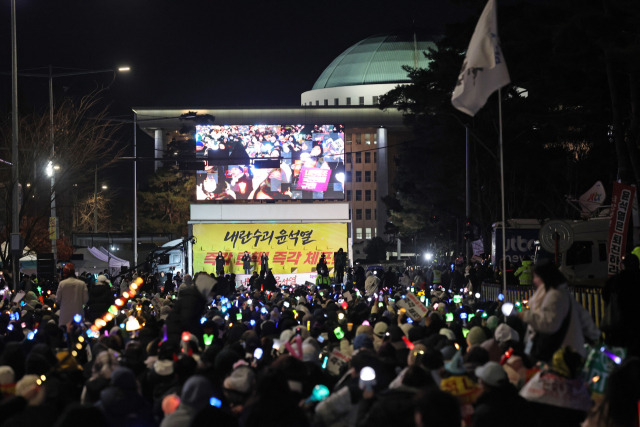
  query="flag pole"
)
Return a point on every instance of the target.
[{"x": 504, "y": 221}]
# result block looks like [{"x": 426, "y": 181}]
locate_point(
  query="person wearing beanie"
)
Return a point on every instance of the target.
[
  {"x": 7, "y": 381},
  {"x": 492, "y": 322},
  {"x": 195, "y": 395},
  {"x": 451, "y": 336},
  {"x": 475, "y": 337},
  {"x": 71, "y": 296},
  {"x": 239, "y": 385},
  {"x": 499, "y": 403},
  {"x": 28, "y": 406},
  {"x": 365, "y": 329}
]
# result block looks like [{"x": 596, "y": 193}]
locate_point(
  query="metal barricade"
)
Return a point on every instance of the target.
[{"x": 589, "y": 297}]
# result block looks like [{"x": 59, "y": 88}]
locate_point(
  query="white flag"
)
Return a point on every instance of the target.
[
  {"x": 483, "y": 70},
  {"x": 593, "y": 198}
]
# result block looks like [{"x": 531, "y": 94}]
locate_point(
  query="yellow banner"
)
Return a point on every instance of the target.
[{"x": 292, "y": 248}]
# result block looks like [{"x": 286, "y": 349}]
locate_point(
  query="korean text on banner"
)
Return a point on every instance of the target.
[
  {"x": 415, "y": 309},
  {"x": 621, "y": 204},
  {"x": 291, "y": 248}
]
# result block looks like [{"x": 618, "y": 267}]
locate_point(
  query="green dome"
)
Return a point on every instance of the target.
[{"x": 374, "y": 60}]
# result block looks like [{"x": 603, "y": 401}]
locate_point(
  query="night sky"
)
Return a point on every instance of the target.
[
  {"x": 198, "y": 52},
  {"x": 191, "y": 53}
]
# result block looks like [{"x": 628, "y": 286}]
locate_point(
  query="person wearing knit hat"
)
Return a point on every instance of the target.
[
  {"x": 505, "y": 333},
  {"x": 475, "y": 336},
  {"x": 448, "y": 333},
  {"x": 365, "y": 329},
  {"x": 238, "y": 385},
  {"x": 492, "y": 322},
  {"x": 7, "y": 381},
  {"x": 29, "y": 388}
]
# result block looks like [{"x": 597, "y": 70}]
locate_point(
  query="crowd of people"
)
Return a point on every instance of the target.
[{"x": 392, "y": 348}]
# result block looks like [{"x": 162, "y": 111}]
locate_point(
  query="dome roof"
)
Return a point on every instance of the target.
[{"x": 376, "y": 59}]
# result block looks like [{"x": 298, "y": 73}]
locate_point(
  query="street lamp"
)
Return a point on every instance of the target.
[{"x": 53, "y": 220}]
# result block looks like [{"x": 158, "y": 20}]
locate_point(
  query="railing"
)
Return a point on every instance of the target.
[{"x": 589, "y": 297}]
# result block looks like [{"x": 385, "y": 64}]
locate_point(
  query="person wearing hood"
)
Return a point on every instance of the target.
[
  {"x": 100, "y": 298},
  {"x": 372, "y": 284},
  {"x": 121, "y": 403},
  {"x": 195, "y": 396}
]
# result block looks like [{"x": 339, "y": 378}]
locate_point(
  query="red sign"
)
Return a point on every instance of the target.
[{"x": 621, "y": 206}]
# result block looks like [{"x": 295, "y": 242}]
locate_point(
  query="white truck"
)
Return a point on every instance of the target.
[{"x": 581, "y": 245}]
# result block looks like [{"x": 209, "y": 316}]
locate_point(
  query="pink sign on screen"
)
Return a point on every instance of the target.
[{"x": 314, "y": 179}]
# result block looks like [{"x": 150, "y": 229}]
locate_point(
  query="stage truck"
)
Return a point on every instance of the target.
[
  {"x": 581, "y": 245},
  {"x": 294, "y": 237}
]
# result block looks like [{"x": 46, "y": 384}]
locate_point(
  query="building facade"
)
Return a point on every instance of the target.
[{"x": 346, "y": 93}]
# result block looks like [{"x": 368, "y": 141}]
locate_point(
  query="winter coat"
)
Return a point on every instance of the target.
[
  {"x": 246, "y": 261},
  {"x": 186, "y": 313},
  {"x": 100, "y": 299},
  {"x": 264, "y": 262},
  {"x": 548, "y": 310},
  {"x": 372, "y": 285},
  {"x": 220, "y": 263},
  {"x": 71, "y": 296},
  {"x": 525, "y": 273}
]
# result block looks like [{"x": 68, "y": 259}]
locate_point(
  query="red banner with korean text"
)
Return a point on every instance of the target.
[
  {"x": 621, "y": 207},
  {"x": 291, "y": 248}
]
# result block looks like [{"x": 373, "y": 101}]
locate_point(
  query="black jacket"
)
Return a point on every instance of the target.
[
  {"x": 186, "y": 313},
  {"x": 100, "y": 299}
]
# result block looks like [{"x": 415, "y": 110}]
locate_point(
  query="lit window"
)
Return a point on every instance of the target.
[
  {"x": 359, "y": 233},
  {"x": 368, "y": 233}
]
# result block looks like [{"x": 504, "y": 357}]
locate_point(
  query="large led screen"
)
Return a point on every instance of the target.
[{"x": 307, "y": 162}]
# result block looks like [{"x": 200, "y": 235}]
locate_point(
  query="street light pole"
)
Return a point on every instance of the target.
[
  {"x": 135, "y": 189},
  {"x": 54, "y": 219},
  {"x": 15, "y": 217},
  {"x": 95, "y": 202}
]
